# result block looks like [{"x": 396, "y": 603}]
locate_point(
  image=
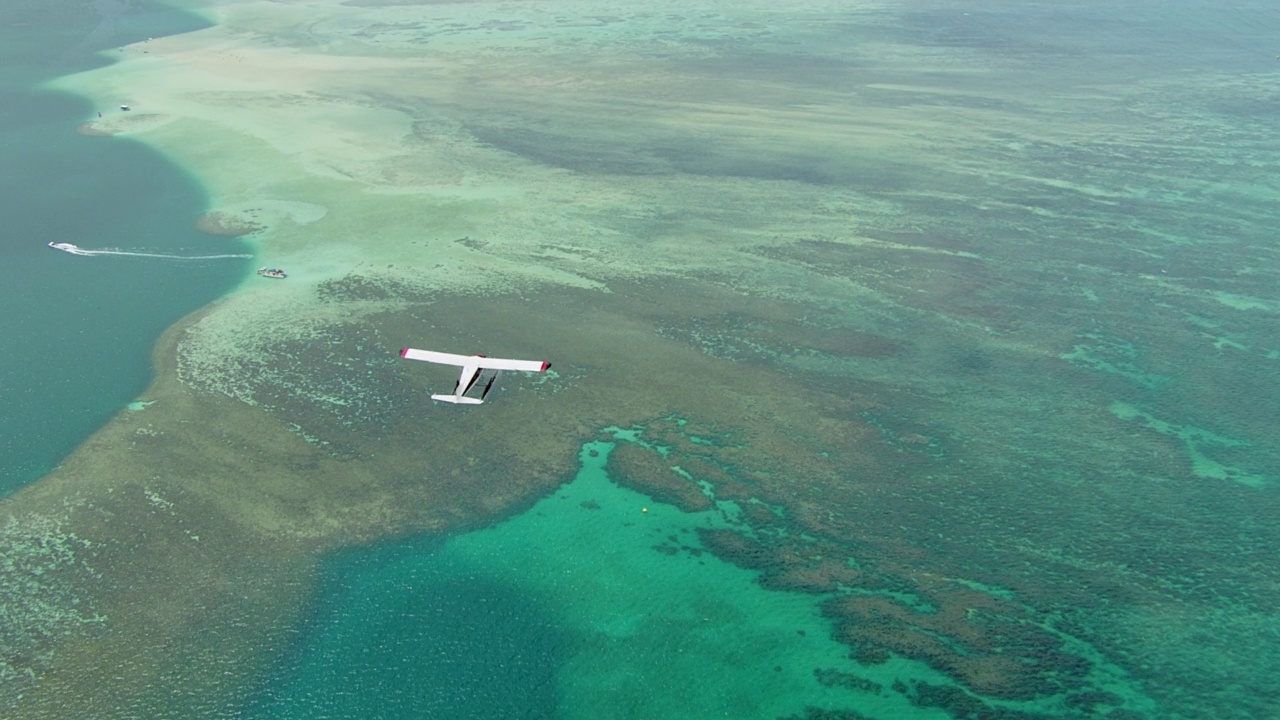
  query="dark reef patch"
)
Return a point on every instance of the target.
[
  {"x": 992, "y": 646},
  {"x": 339, "y": 387},
  {"x": 635, "y": 467},
  {"x": 814, "y": 713},
  {"x": 228, "y": 225},
  {"x": 355, "y": 287},
  {"x": 962, "y": 706}
]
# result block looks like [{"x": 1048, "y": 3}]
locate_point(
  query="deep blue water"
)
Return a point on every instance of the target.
[
  {"x": 78, "y": 331},
  {"x": 402, "y": 631}
]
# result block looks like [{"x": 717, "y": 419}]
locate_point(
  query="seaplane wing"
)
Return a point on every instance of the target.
[{"x": 471, "y": 366}]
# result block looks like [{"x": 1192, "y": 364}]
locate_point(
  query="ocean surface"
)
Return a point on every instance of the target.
[
  {"x": 78, "y": 330},
  {"x": 1059, "y": 499}
]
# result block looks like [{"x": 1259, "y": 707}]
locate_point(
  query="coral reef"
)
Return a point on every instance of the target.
[
  {"x": 988, "y": 644},
  {"x": 46, "y": 572},
  {"x": 227, "y": 224}
]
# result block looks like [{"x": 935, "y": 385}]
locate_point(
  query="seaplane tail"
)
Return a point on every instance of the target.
[{"x": 471, "y": 365}]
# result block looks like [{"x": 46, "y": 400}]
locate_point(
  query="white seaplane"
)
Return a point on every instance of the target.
[{"x": 472, "y": 365}]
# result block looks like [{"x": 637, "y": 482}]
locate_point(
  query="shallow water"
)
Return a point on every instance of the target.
[
  {"x": 595, "y": 601},
  {"x": 941, "y": 340},
  {"x": 78, "y": 331}
]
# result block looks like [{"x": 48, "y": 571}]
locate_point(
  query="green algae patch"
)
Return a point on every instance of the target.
[
  {"x": 1200, "y": 446},
  {"x": 1243, "y": 302},
  {"x": 1114, "y": 356}
]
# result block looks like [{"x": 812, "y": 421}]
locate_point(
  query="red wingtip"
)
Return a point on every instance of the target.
[
  {"x": 545, "y": 365},
  {"x": 404, "y": 351}
]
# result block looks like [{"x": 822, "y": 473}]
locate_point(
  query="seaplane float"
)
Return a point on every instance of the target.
[{"x": 473, "y": 366}]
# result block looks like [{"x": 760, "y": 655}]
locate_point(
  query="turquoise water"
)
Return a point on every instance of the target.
[
  {"x": 78, "y": 331},
  {"x": 1081, "y": 428},
  {"x": 410, "y": 631},
  {"x": 1126, "y": 273},
  {"x": 595, "y": 602}
]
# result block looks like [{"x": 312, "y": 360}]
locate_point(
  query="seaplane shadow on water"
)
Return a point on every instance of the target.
[{"x": 474, "y": 368}]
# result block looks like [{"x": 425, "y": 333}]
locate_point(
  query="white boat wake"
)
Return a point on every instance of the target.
[{"x": 77, "y": 250}]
